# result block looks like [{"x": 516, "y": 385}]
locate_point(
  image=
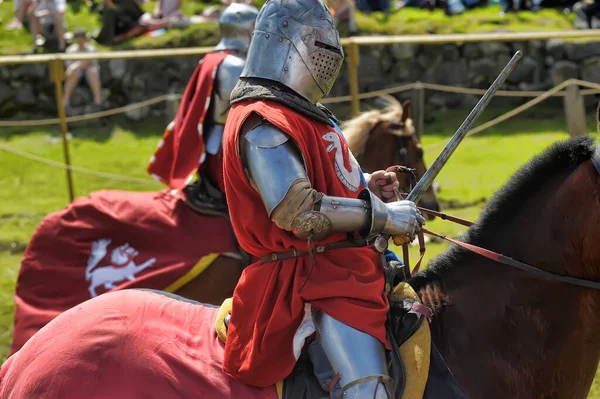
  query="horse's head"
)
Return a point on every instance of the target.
[{"x": 380, "y": 139}]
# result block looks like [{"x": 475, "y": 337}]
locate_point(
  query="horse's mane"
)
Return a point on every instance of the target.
[
  {"x": 561, "y": 158},
  {"x": 357, "y": 130}
]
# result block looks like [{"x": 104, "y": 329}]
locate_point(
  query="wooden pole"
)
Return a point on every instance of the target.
[
  {"x": 575, "y": 111},
  {"x": 57, "y": 75},
  {"x": 353, "y": 61}
]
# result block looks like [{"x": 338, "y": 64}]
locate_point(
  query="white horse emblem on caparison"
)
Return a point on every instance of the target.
[
  {"x": 121, "y": 257},
  {"x": 350, "y": 179}
]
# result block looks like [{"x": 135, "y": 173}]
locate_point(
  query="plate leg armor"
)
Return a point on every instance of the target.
[{"x": 358, "y": 358}]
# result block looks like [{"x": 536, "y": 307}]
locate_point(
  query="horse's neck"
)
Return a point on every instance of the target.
[{"x": 505, "y": 333}]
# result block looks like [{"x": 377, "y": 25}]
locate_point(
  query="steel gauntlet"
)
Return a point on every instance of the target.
[
  {"x": 401, "y": 218},
  {"x": 367, "y": 214}
]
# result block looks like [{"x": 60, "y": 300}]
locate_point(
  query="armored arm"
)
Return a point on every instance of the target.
[
  {"x": 275, "y": 167},
  {"x": 228, "y": 74}
]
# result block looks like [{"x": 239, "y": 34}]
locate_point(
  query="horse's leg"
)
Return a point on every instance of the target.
[{"x": 216, "y": 283}]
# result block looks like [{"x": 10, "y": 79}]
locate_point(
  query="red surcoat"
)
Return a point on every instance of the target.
[
  {"x": 181, "y": 151},
  {"x": 347, "y": 284}
]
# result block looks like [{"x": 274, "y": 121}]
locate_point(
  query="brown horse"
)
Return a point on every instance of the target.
[
  {"x": 379, "y": 139},
  {"x": 505, "y": 333}
]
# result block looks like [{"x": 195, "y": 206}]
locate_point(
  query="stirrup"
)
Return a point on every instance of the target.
[{"x": 353, "y": 390}]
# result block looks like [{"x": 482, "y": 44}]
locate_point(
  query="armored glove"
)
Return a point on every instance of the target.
[{"x": 403, "y": 219}]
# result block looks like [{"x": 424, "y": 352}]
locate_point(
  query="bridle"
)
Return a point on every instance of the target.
[{"x": 494, "y": 255}]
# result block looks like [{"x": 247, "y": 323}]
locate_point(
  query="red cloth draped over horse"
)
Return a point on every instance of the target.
[
  {"x": 113, "y": 239},
  {"x": 268, "y": 308},
  {"x": 126, "y": 344},
  {"x": 181, "y": 151}
]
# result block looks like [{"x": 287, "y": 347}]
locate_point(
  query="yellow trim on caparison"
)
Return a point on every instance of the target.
[{"x": 194, "y": 272}]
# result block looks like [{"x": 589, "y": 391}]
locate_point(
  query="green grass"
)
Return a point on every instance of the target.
[
  {"x": 29, "y": 190},
  {"x": 405, "y": 21},
  {"x": 417, "y": 22}
]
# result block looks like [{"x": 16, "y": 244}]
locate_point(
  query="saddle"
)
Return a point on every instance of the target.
[
  {"x": 206, "y": 199},
  {"x": 411, "y": 333}
]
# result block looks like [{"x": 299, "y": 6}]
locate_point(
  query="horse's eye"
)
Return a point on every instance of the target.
[{"x": 396, "y": 126}]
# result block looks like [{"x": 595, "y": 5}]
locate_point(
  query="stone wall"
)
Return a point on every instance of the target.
[{"x": 26, "y": 89}]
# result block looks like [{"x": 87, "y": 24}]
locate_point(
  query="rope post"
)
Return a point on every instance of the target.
[
  {"x": 57, "y": 75},
  {"x": 418, "y": 109},
  {"x": 353, "y": 61},
  {"x": 574, "y": 110}
]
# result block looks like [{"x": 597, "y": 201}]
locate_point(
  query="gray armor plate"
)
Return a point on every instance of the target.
[
  {"x": 273, "y": 163},
  {"x": 228, "y": 74}
]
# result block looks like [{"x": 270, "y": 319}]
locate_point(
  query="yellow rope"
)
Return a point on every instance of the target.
[
  {"x": 370, "y": 94},
  {"x": 593, "y": 88},
  {"x": 518, "y": 110},
  {"x": 101, "y": 114},
  {"x": 78, "y": 169}
]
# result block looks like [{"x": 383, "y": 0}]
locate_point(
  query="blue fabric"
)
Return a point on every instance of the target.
[{"x": 389, "y": 255}]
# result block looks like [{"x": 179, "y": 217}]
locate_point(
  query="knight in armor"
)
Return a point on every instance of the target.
[
  {"x": 301, "y": 206},
  {"x": 192, "y": 143}
]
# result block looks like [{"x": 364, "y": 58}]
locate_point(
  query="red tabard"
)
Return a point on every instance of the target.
[
  {"x": 181, "y": 151},
  {"x": 111, "y": 238},
  {"x": 348, "y": 284}
]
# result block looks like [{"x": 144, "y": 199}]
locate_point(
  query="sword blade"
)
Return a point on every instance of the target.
[{"x": 437, "y": 165}]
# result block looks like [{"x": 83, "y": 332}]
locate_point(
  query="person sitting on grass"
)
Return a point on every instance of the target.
[
  {"x": 21, "y": 8},
  {"x": 120, "y": 21},
  {"x": 167, "y": 13},
  {"x": 83, "y": 69},
  {"x": 42, "y": 15}
]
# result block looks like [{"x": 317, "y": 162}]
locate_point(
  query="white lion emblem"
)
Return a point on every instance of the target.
[
  {"x": 121, "y": 257},
  {"x": 350, "y": 178}
]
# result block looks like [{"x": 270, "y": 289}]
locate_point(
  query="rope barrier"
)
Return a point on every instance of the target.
[
  {"x": 78, "y": 169},
  {"x": 371, "y": 94},
  {"x": 521, "y": 109},
  {"x": 593, "y": 88},
  {"x": 100, "y": 114},
  {"x": 499, "y": 93}
]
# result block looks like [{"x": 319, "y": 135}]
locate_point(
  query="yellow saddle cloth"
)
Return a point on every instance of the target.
[{"x": 415, "y": 351}]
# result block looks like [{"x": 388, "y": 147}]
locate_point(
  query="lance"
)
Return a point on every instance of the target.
[{"x": 435, "y": 168}]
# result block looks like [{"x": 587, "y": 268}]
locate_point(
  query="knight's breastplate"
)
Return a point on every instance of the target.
[{"x": 227, "y": 76}]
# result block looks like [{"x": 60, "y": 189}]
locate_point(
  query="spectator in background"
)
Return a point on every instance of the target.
[
  {"x": 45, "y": 15},
  {"x": 21, "y": 8},
  {"x": 368, "y": 6},
  {"x": 120, "y": 21},
  {"x": 167, "y": 13},
  {"x": 587, "y": 15},
  {"x": 88, "y": 70},
  {"x": 343, "y": 15}
]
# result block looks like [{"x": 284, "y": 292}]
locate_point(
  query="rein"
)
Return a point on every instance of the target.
[{"x": 494, "y": 255}]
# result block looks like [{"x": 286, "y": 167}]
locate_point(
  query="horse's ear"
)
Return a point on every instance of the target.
[{"x": 406, "y": 110}]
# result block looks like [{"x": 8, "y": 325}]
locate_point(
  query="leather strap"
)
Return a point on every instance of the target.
[
  {"x": 319, "y": 249},
  {"x": 519, "y": 265},
  {"x": 445, "y": 216}
]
